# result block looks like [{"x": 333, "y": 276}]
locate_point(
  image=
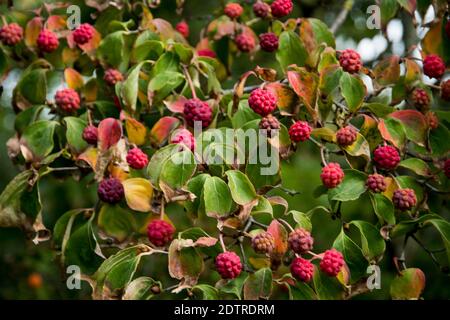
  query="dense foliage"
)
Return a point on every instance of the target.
[{"x": 113, "y": 102}]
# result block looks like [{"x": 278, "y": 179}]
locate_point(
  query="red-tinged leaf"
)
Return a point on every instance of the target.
[
  {"x": 109, "y": 133},
  {"x": 286, "y": 97},
  {"x": 136, "y": 131},
  {"x": 266, "y": 74},
  {"x": 175, "y": 104},
  {"x": 387, "y": 71},
  {"x": 90, "y": 157},
  {"x": 221, "y": 28},
  {"x": 162, "y": 129},
  {"x": 369, "y": 130},
  {"x": 415, "y": 125},
  {"x": 279, "y": 233},
  {"x": 432, "y": 42},
  {"x": 304, "y": 84},
  {"x": 205, "y": 242},
  {"x": 325, "y": 134},
  {"x": 393, "y": 131},
  {"x": 413, "y": 71},
  {"x": 69, "y": 56},
  {"x": 90, "y": 47},
  {"x": 408, "y": 285},
  {"x": 32, "y": 30},
  {"x": 73, "y": 78},
  {"x": 408, "y": 5},
  {"x": 55, "y": 23}
]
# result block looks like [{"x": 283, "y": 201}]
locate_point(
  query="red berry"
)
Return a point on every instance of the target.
[
  {"x": 445, "y": 90},
  {"x": 67, "y": 99},
  {"x": 112, "y": 76},
  {"x": 346, "y": 136},
  {"x": 433, "y": 66},
  {"x": 11, "y": 34},
  {"x": 262, "y": 101},
  {"x": 83, "y": 34},
  {"x": 197, "y": 110},
  {"x": 376, "y": 183},
  {"x": 90, "y": 134},
  {"x": 269, "y": 123},
  {"x": 233, "y": 10},
  {"x": 160, "y": 232},
  {"x": 245, "y": 42},
  {"x": 300, "y": 241},
  {"x": 281, "y": 8},
  {"x": 350, "y": 61},
  {"x": 421, "y": 99},
  {"x": 332, "y": 262},
  {"x": 137, "y": 159},
  {"x": 47, "y": 41},
  {"x": 183, "y": 28},
  {"x": 268, "y": 41},
  {"x": 386, "y": 157},
  {"x": 432, "y": 120},
  {"x": 183, "y": 136},
  {"x": 447, "y": 168},
  {"x": 228, "y": 265},
  {"x": 261, "y": 9},
  {"x": 206, "y": 53},
  {"x": 404, "y": 199},
  {"x": 263, "y": 242},
  {"x": 300, "y": 131},
  {"x": 111, "y": 190},
  {"x": 332, "y": 175},
  {"x": 302, "y": 269}
]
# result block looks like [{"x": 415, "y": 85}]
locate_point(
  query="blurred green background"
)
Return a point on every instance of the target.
[{"x": 33, "y": 272}]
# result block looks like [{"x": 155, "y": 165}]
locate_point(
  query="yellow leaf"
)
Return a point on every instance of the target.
[
  {"x": 136, "y": 131},
  {"x": 73, "y": 78},
  {"x": 138, "y": 194}
]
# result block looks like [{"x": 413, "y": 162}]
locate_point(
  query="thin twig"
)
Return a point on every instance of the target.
[
  {"x": 286, "y": 224},
  {"x": 340, "y": 19},
  {"x": 189, "y": 80},
  {"x": 222, "y": 243},
  {"x": 430, "y": 253}
]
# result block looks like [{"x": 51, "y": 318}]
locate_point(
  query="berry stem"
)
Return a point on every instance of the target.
[
  {"x": 286, "y": 224},
  {"x": 161, "y": 217},
  {"x": 222, "y": 243},
  {"x": 189, "y": 79},
  {"x": 315, "y": 256}
]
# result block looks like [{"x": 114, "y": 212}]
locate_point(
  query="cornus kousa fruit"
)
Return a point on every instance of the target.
[
  {"x": 83, "y": 34},
  {"x": 262, "y": 101},
  {"x": 183, "y": 28},
  {"x": 269, "y": 123},
  {"x": 11, "y": 34},
  {"x": 90, "y": 134},
  {"x": 261, "y": 9},
  {"x": 206, "y": 53},
  {"x": 300, "y": 131},
  {"x": 350, "y": 61},
  {"x": 196, "y": 110},
  {"x": 111, "y": 190},
  {"x": 268, "y": 41},
  {"x": 112, "y": 76},
  {"x": 447, "y": 168},
  {"x": 302, "y": 269},
  {"x": 245, "y": 42},
  {"x": 432, "y": 120},
  {"x": 433, "y": 66},
  {"x": 421, "y": 99},
  {"x": 263, "y": 242},
  {"x": 47, "y": 41},
  {"x": 137, "y": 159},
  {"x": 445, "y": 90},
  {"x": 228, "y": 265},
  {"x": 386, "y": 157},
  {"x": 346, "y": 136},
  {"x": 300, "y": 241},
  {"x": 183, "y": 136},
  {"x": 332, "y": 175},
  {"x": 281, "y": 8},
  {"x": 332, "y": 262},
  {"x": 233, "y": 10},
  {"x": 160, "y": 232},
  {"x": 67, "y": 99},
  {"x": 376, "y": 183},
  {"x": 404, "y": 199}
]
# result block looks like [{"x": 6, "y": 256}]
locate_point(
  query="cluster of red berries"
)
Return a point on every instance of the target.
[
  {"x": 386, "y": 157},
  {"x": 245, "y": 42},
  {"x": 421, "y": 99},
  {"x": 261, "y": 9},
  {"x": 160, "y": 233},
  {"x": 300, "y": 131},
  {"x": 47, "y": 41},
  {"x": 376, "y": 183},
  {"x": 262, "y": 101},
  {"x": 404, "y": 199},
  {"x": 228, "y": 265},
  {"x": 90, "y": 134},
  {"x": 300, "y": 241},
  {"x": 350, "y": 61},
  {"x": 281, "y": 8},
  {"x": 111, "y": 190},
  {"x": 269, "y": 123},
  {"x": 83, "y": 34},
  {"x": 332, "y": 175},
  {"x": 67, "y": 100},
  {"x": 137, "y": 159},
  {"x": 433, "y": 66},
  {"x": 185, "y": 137},
  {"x": 233, "y": 10},
  {"x": 11, "y": 34},
  {"x": 112, "y": 76},
  {"x": 263, "y": 242},
  {"x": 268, "y": 41},
  {"x": 346, "y": 136},
  {"x": 196, "y": 110}
]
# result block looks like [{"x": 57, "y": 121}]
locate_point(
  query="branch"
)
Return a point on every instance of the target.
[{"x": 340, "y": 19}]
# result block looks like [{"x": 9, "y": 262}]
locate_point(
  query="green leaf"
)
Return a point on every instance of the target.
[
  {"x": 258, "y": 285},
  {"x": 148, "y": 50},
  {"x": 217, "y": 197},
  {"x": 241, "y": 188},
  {"x": 327, "y": 288},
  {"x": 74, "y": 134},
  {"x": 383, "y": 207},
  {"x": 387, "y": 71},
  {"x": 205, "y": 292},
  {"x": 178, "y": 169},
  {"x": 353, "y": 90},
  {"x": 443, "y": 227},
  {"x": 301, "y": 291},
  {"x": 130, "y": 88},
  {"x": 38, "y": 137},
  {"x": 393, "y": 131},
  {"x": 27, "y": 117},
  {"x": 353, "y": 256},
  {"x": 302, "y": 219},
  {"x": 353, "y": 185},
  {"x": 373, "y": 245},
  {"x": 360, "y": 148},
  {"x": 408, "y": 285},
  {"x": 418, "y": 166},
  {"x": 409, "y": 182},
  {"x": 114, "y": 50},
  {"x": 32, "y": 86},
  {"x": 196, "y": 233},
  {"x": 157, "y": 162},
  {"x": 379, "y": 109},
  {"x": 184, "y": 52},
  {"x": 234, "y": 286},
  {"x": 415, "y": 125},
  {"x": 116, "y": 222},
  {"x": 195, "y": 186},
  {"x": 388, "y": 10},
  {"x": 291, "y": 50},
  {"x": 63, "y": 227},
  {"x": 408, "y": 226},
  {"x": 163, "y": 84},
  {"x": 141, "y": 289},
  {"x": 184, "y": 262}
]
